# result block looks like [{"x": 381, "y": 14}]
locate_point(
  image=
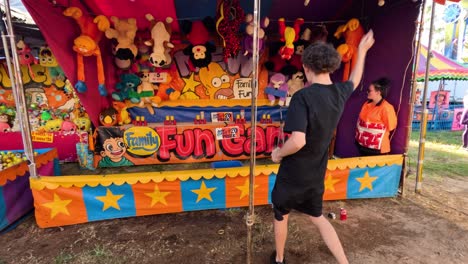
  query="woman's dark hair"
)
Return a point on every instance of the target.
[{"x": 382, "y": 85}]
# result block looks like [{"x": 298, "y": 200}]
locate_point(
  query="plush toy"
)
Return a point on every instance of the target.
[
  {"x": 146, "y": 91},
  {"x": 352, "y": 33},
  {"x": 170, "y": 89},
  {"x": 87, "y": 45},
  {"x": 200, "y": 48},
  {"x": 289, "y": 35},
  {"x": 126, "y": 88},
  {"x": 26, "y": 58},
  {"x": 53, "y": 125},
  {"x": 123, "y": 117},
  {"x": 4, "y": 123},
  {"x": 83, "y": 123},
  {"x": 295, "y": 83},
  {"x": 68, "y": 127},
  {"x": 108, "y": 117},
  {"x": 277, "y": 88},
  {"x": 230, "y": 18},
  {"x": 124, "y": 32},
  {"x": 247, "y": 42},
  {"x": 49, "y": 62},
  {"x": 160, "y": 41}
]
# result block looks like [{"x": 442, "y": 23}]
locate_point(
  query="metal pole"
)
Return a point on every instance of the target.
[
  {"x": 253, "y": 117},
  {"x": 422, "y": 134},
  {"x": 414, "y": 87},
  {"x": 17, "y": 88}
]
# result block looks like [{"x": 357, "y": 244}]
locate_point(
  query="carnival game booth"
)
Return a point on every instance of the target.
[{"x": 188, "y": 98}]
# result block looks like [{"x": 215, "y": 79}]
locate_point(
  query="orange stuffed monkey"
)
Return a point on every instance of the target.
[
  {"x": 87, "y": 45},
  {"x": 352, "y": 32}
]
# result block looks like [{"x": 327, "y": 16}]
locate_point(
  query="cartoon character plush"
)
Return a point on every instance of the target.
[
  {"x": 200, "y": 48},
  {"x": 53, "y": 125},
  {"x": 68, "y": 127},
  {"x": 126, "y": 88},
  {"x": 87, "y": 45},
  {"x": 123, "y": 117},
  {"x": 49, "y": 62},
  {"x": 295, "y": 83},
  {"x": 352, "y": 33},
  {"x": 26, "y": 58},
  {"x": 124, "y": 32},
  {"x": 146, "y": 91},
  {"x": 247, "y": 42},
  {"x": 216, "y": 82},
  {"x": 83, "y": 123},
  {"x": 170, "y": 89},
  {"x": 108, "y": 117},
  {"x": 277, "y": 88},
  {"x": 4, "y": 123},
  {"x": 160, "y": 41},
  {"x": 289, "y": 35},
  {"x": 230, "y": 18}
]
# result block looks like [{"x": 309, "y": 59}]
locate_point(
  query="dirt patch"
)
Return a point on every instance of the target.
[{"x": 427, "y": 228}]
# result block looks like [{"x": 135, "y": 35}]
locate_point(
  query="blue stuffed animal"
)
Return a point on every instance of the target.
[{"x": 126, "y": 88}]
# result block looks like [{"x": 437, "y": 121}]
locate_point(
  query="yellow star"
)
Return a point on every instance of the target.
[
  {"x": 110, "y": 200},
  {"x": 366, "y": 181},
  {"x": 245, "y": 189},
  {"x": 57, "y": 206},
  {"x": 190, "y": 84},
  {"x": 157, "y": 196},
  {"x": 203, "y": 192},
  {"x": 330, "y": 183}
]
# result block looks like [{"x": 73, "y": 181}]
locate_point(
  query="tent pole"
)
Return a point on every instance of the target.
[
  {"x": 414, "y": 86},
  {"x": 17, "y": 88},
  {"x": 422, "y": 134},
  {"x": 253, "y": 117}
]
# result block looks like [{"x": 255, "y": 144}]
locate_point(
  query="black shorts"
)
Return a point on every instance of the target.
[{"x": 285, "y": 198}]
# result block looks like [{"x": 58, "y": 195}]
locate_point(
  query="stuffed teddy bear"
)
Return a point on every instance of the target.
[
  {"x": 230, "y": 18},
  {"x": 247, "y": 42},
  {"x": 352, "y": 33},
  {"x": 87, "y": 44},
  {"x": 160, "y": 41},
  {"x": 200, "y": 48},
  {"x": 289, "y": 35},
  {"x": 126, "y": 88},
  {"x": 124, "y": 32}
]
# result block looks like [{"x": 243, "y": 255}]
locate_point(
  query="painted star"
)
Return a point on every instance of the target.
[
  {"x": 110, "y": 200},
  {"x": 190, "y": 84},
  {"x": 366, "y": 181},
  {"x": 330, "y": 183},
  {"x": 157, "y": 196},
  {"x": 57, "y": 206},
  {"x": 204, "y": 193},
  {"x": 245, "y": 189}
]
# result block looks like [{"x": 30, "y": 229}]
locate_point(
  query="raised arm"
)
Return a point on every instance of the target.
[{"x": 366, "y": 43}]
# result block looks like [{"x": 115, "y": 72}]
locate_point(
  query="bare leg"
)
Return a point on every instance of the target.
[
  {"x": 281, "y": 233},
  {"x": 330, "y": 237}
]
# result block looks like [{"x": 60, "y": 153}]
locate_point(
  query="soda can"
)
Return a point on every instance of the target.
[
  {"x": 343, "y": 214},
  {"x": 332, "y": 215}
]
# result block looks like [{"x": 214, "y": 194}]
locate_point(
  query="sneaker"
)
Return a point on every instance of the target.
[{"x": 273, "y": 259}]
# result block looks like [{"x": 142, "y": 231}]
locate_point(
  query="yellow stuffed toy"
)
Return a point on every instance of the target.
[{"x": 124, "y": 32}]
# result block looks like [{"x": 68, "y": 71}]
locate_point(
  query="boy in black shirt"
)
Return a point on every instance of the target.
[{"x": 313, "y": 114}]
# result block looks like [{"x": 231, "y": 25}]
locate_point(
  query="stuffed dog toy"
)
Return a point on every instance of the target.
[
  {"x": 124, "y": 32},
  {"x": 160, "y": 41}
]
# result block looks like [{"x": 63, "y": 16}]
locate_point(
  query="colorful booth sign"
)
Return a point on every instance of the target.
[
  {"x": 15, "y": 195},
  {"x": 183, "y": 143},
  {"x": 71, "y": 200}
]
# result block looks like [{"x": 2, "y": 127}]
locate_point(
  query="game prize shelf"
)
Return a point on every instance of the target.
[
  {"x": 15, "y": 194},
  {"x": 68, "y": 200}
]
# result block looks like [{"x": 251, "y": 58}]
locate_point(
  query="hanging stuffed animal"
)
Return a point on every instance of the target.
[
  {"x": 289, "y": 35},
  {"x": 277, "y": 88},
  {"x": 26, "y": 58},
  {"x": 352, "y": 33},
  {"x": 87, "y": 44},
  {"x": 160, "y": 41},
  {"x": 124, "y": 32},
  {"x": 49, "y": 62},
  {"x": 247, "y": 42},
  {"x": 200, "y": 48},
  {"x": 230, "y": 18}
]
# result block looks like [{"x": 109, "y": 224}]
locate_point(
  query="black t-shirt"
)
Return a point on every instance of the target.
[{"x": 314, "y": 110}]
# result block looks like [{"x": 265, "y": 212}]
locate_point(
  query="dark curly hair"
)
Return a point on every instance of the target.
[
  {"x": 382, "y": 85},
  {"x": 321, "y": 58}
]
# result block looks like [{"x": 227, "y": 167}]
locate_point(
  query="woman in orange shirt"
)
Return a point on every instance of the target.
[{"x": 376, "y": 120}]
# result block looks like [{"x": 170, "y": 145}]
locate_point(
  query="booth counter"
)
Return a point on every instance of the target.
[{"x": 15, "y": 195}]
